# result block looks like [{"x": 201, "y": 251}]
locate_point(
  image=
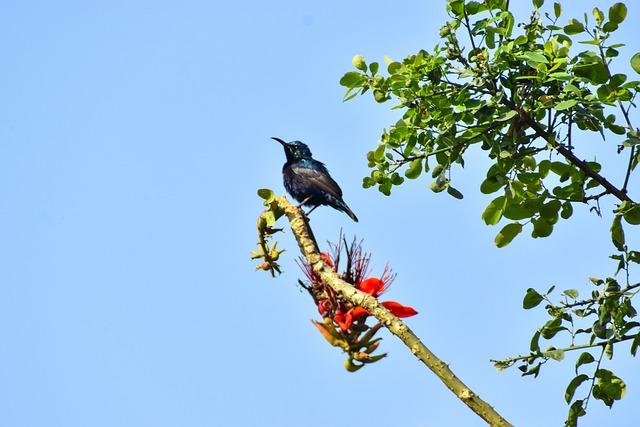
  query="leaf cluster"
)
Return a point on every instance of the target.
[{"x": 518, "y": 92}]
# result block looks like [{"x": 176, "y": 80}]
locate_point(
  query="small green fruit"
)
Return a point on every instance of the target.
[{"x": 359, "y": 62}]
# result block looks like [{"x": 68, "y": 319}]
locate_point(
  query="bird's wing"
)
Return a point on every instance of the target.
[{"x": 319, "y": 178}]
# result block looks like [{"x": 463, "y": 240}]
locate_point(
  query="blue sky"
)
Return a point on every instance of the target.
[{"x": 133, "y": 138}]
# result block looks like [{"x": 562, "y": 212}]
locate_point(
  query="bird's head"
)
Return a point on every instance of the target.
[{"x": 295, "y": 150}]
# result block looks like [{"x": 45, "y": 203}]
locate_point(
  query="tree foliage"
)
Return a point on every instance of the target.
[{"x": 525, "y": 94}]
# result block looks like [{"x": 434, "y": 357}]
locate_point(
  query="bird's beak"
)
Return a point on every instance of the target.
[{"x": 284, "y": 144}]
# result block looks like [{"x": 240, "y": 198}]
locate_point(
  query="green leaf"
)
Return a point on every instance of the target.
[
  {"x": 632, "y": 215},
  {"x": 571, "y": 293},
  {"x": 593, "y": 70},
  {"x": 394, "y": 67},
  {"x": 541, "y": 228},
  {"x": 538, "y": 3},
  {"x": 506, "y": 116},
  {"x": 472, "y": 7},
  {"x": 519, "y": 211},
  {"x": 551, "y": 328},
  {"x": 584, "y": 358},
  {"x": 559, "y": 168},
  {"x": 564, "y": 105},
  {"x": 493, "y": 212},
  {"x": 634, "y": 344},
  {"x": 532, "y": 371},
  {"x": 352, "y": 79},
  {"x": 506, "y": 235},
  {"x": 635, "y": 62},
  {"x": 491, "y": 185},
  {"x": 617, "y": 13},
  {"x": 618, "y": 130},
  {"x": 599, "y": 15},
  {"x": 617, "y": 233},
  {"x": 543, "y": 168},
  {"x": 533, "y": 345},
  {"x": 608, "y": 350},
  {"x": 531, "y": 299},
  {"x": 385, "y": 187},
  {"x": 573, "y": 385},
  {"x": 550, "y": 210},
  {"x": 269, "y": 217},
  {"x": 634, "y": 256},
  {"x": 567, "y": 210},
  {"x": 599, "y": 329},
  {"x": 437, "y": 170},
  {"x": 557, "y": 10},
  {"x": 500, "y": 366},
  {"x": 415, "y": 169},
  {"x": 574, "y": 27},
  {"x": 610, "y": 386},
  {"x": 575, "y": 411},
  {"x": 611, "y": 53},
  {"x": 437, "y": 186},
  {"x": 380, "y": 96},
  {"x": 534, "y": 57},
  {"x": 521, "y": 40},
  {"x": 555, "y": 354},
  {"x": 612, "y": 285},
  {"x": 594, "y": 166},
  {"x": 455, "y": 193},
  {"x": 266, "y": 194}
]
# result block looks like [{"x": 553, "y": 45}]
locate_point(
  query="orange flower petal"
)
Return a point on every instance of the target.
[
  {"x": 373, "y": 286},
  {"x": 326, "y": 259},
  {"x": 398, "y": 309},
  {"x": 358, "y": 311},
  {"x": 344, "y": 320}
]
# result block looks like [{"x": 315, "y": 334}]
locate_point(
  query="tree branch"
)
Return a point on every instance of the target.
[
  {"x": 567, "y": 154},
  {"x": 602, "y": 344},
  {"x": 308, "y": 247}
]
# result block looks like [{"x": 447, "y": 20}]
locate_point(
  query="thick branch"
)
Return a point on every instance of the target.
[{"x": 308, "y": 247}]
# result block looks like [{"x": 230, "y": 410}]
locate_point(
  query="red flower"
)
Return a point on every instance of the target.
[
  {"x": 373, "y": 286},
  {"x": 327, "y": 259},
  {"x": 376, "y": 287},
  {"x": 324, "y": 307},
  {"x": 358, "y": 311},
  {"x": 398, "y": 309},
  {"x": 345, "y": 320}
]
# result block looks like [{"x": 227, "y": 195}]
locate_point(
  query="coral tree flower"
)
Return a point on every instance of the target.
[
  {"x": 344, "y": 324},
  {"x": 398, "y": 309},
  {"x": 327, "y": 259},
  {"x": 374, "y": 287}
]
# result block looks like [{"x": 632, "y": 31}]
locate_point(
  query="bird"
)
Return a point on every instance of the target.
[{"x": 308, "y": 180}]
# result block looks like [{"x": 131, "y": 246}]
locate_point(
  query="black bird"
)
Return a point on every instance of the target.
[{"x": 308, "y": 180}]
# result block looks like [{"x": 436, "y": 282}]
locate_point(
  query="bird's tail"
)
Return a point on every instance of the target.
[{"x": 344, "y": 208}]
